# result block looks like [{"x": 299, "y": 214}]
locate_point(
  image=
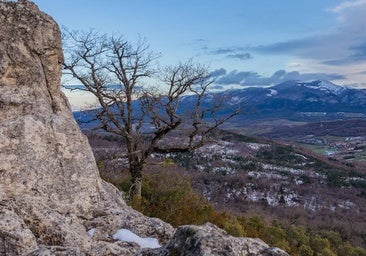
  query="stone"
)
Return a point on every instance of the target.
[
  {"x": 51, "y": 193},
  {"x": 52, "y": 199},
  {"x": 209, "y": 240}
]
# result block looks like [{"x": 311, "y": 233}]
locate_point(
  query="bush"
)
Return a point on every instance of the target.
[
  {"x": 305, "y": 250},
  {"x": 170, "y": 197}
]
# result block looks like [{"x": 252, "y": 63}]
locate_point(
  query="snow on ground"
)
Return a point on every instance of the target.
[
  {"x": 291, "y": 199},
  {"x": 236, "y": 100},
  {"x": 282, "y": 169},
  {"x": 257, "y": 146},
  {"x": 128, "y": 236},
  {"x": 268, "y": 175},
  {"x": 346, "y": 204},
  {"x": 223, "y": 169},
  {"x": 271, "y": 93},
  {"x": 91, "y": 232},
  {"x": 272, "y": 200},
  {"x": 221, "y": 147},
  {"x": 299, "y": 182}
]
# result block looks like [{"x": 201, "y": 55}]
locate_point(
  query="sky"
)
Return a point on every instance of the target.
[{"x": 243, "y": 42}]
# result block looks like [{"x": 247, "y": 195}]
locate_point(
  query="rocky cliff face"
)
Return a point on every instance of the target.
[
  {"x": 51, "y": 194},
  {"x": 50, "y": 189}
]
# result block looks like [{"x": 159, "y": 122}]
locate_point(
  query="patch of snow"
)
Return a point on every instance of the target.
[
  {"x": 302, "y": 156},
  {"x": 326, "y": 86},
  {"x": 231, "y": 151},
  {"x": 277, "y": 250},
  {"x": 268, "y": 175},
  {"x": 312, "y": 205},
  {"x": 272, "y": 93},
  {"x": 291, "y": 199},
  {"x": 221, "y": 147},
  {"x": 331, "y": 87},
  {"x": 356, "y": 179},
  {"x": 200, "y": 167},
  {"x": 299, "y": 182},
  {"x": 330, "y": 153},
  {"x": 128, "y": 236},
  {"x": 346, "y": 205},
  {"x": 234, "y": 192},
  {"x": 223, "y": 169},
  {"x": 255, "y": 196},
  {"x": 271, "y": 200},
  {"x": 257, "y": 146},
  {"x": 236, "y": 100},
  {"x": 91, "y": 232},
  {"x": 282, "y": 169}
]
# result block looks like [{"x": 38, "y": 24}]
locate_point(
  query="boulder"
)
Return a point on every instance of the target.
[
  {"x": 51, "y": 193},
  {"x": 52, "y": 199},
  {"x": 209, "y": 240}
]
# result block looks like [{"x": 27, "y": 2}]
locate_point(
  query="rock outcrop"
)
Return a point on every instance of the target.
[
  {"x": 51, "y": 194},
  {"x": 50, "y": 190},
  {"x": 210, "y": 240}
]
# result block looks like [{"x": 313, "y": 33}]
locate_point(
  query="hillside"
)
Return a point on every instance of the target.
[
  {"x": 349, "y": 128},
  {"x": 241, "y": 175},
  {"x": 342, "y": 140}
]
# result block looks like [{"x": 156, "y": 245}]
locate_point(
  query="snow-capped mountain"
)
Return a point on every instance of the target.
[
  {"x": 298, "y": 100},
  {"x": 311, "y": 101},
  {"x": 325, "y": 86}
]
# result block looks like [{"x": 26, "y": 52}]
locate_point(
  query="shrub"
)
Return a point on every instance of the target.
[
  {"x": 170, "y": 197},
  {"x": 305, "y": 250}
]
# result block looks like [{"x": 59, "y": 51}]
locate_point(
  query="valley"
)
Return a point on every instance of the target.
[
  {"x": 256, "y": 176},
  {"x": 340, "y": 140},
  {"x": 295, "y": 153}
]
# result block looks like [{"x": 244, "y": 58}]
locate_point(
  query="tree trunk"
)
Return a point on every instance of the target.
[{"x": 136, "y": 173}]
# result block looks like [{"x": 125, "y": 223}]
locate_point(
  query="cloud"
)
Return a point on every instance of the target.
[
  {"x": 359, "y": 51},
  {"x": 235, "y": 77},
  {"x": 348, "y": 4},
  {"x": 240, "y": 56},
  {"x": 291, "y": 46},
  {"x": 218, "y": 72},
  {"x": 220, "y": 51},
  {"x": 343, "y": 46},
  {"x": 249, "y": 78},
  {"x": 239, "y": 53},
  {"x": 358, "y": 55}
]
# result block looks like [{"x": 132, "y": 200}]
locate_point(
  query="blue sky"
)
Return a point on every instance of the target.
[{"x": 244, "y": 42}]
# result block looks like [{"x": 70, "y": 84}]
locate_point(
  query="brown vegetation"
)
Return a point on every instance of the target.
[{"x": 179, "y": 196}]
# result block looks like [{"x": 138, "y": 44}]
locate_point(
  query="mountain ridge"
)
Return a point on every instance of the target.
[{"x": 293, "y": 100}]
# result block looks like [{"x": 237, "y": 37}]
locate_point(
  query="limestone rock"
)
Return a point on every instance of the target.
[
  {"x": 51, "y": 195},
  {"x": 210, "y": 240},
  {"x": 50, "y": 189}
]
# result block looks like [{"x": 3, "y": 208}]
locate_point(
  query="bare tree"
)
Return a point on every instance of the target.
[{"x": 118, "y": 74}]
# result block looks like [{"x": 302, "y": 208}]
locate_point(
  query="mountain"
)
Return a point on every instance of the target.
[
  {"x": 299, "y": 101},
  {"x": 291, "y": 100}
]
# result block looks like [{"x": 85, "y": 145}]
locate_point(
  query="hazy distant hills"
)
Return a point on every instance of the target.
[{"x": 291, "y": 100}]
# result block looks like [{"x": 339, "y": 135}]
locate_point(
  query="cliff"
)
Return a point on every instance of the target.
[{"x": 52, "y": 200}]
